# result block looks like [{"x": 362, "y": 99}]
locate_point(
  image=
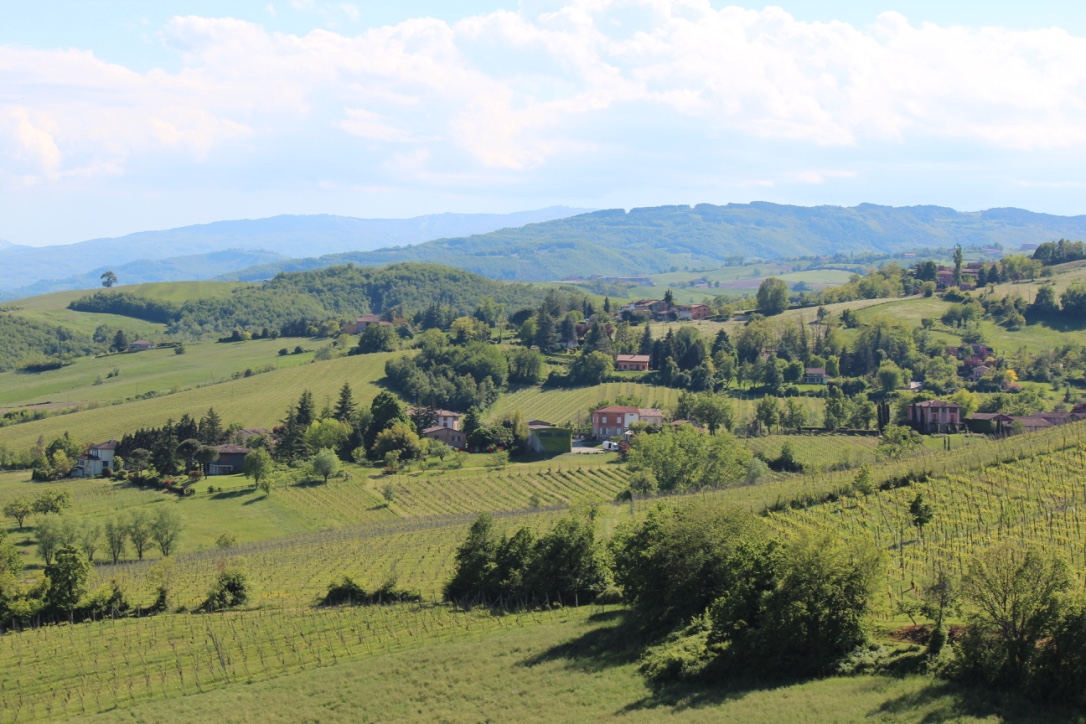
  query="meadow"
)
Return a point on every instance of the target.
[
  {"x": 113, "y": 378},
  {"x": 257, "y": 401}
]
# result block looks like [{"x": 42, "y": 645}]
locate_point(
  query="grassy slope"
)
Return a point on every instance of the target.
[
  {"x": 568, "y": 667},
  {"x": 258, "y": 401},
  {"x": 1033, "y": 337},
  {"x": 158, "y": 370},
  {"x": 53, "y": 309}
]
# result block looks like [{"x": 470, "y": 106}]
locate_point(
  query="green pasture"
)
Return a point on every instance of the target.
[{"x": 181, "y": 292}]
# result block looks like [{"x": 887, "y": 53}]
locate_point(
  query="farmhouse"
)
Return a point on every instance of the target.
[
  {"x": 442, "y": 418},
  {"x": 614, "y": 420},
  {"x": 693, "y": 311},
  {"x": 98, "y": 459},
  {"x": 360, "y": 323},
  {"x": 998, "y": 423},
  {"x": 543, "y": 437},
  {"x": 936, "y": 416},
  {"x": 451, "y": 436},
  {"x": 815, "y": 376},
  {"x": 638, "y": 362},
  {"x": 231, "y": 458},
  {"x": 141, "y": 344}
]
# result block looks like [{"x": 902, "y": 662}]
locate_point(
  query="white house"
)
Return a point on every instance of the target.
[{"x": 96, "y": 461}]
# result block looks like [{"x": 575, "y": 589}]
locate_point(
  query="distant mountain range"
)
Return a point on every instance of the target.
[
  {"x": 653, "y": 240},
  {"x": 548, "y": 244},
  {"x": 206, "y": 250}
]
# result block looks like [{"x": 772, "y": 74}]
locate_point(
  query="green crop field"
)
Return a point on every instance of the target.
[{"x": 258, "y": 401}]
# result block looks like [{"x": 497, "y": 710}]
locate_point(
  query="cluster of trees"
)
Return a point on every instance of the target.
[
  {"x": 68, "y": 547},
  {"x": 460, "y": 376},
  {"x": 140, "y": 529},
  {"x": 183, "y": 446},
  {"x": 565, "y": 565},
  {"x": 680, "y": 458},
  {"x": 1027, "y": 624},
  {"x": 26, "y": 341},
  {"x": 307, "y": 303},
  {"x": 739, "y": 600},
  {"x": 1059, "y": 252},
  {"x": 1012, "y": 268}
]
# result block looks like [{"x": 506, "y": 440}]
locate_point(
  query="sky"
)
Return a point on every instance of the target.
[{"x": 119, "y": 116}]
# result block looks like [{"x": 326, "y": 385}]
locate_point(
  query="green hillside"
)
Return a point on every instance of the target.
[{"x": 656, "y": 239}]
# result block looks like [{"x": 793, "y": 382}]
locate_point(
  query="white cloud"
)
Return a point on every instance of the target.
[{"x": 511, "y": 92}]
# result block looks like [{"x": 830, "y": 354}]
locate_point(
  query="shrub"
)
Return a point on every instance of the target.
[
  {"x": 231, "y": 589},
  {"x": 347, "y": 592}
]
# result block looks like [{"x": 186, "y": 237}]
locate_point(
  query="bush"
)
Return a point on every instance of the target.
[
  {"x": 347, "y": 592},
  {"x": 231, "y": 589}
]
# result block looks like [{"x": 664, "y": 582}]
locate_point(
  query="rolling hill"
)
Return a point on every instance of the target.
[
  {"x": 658, "y": 239},
  {"x": 224, "y": 246}
]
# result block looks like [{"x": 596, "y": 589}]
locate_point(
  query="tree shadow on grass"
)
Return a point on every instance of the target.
[
  {"x": 948, "y": 702},
  {"x": 236, "y": 493},
  {"x": 616, "y": 640},
  {"x": 602, "y": 647}
]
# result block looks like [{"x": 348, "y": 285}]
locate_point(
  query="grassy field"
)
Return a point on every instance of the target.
[
  {"x": 88, "y": 379},
  {"x": 574, "y": 665},
  {"x": 258, "y": 401},
  {"x": 53, "y": 308}
]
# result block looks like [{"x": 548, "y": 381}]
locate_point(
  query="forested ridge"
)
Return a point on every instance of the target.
[{"x": 313, "y": 296}]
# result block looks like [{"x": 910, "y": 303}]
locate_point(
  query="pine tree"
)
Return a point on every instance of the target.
[
  {"x": 290, "y": 436},
  {"x": 306, "y": 410},
  {"x": 546, "y": 335},
  {"x": 210, "y": 428},
  {"x": 345, "y": 407},
  {"x": 646, "y": 341},
  {"x": 607, "y": 304}
]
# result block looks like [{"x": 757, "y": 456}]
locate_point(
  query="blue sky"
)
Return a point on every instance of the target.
[{"x": 121, "y": 116}]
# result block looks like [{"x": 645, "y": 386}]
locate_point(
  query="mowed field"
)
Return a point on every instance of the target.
[{"x": 258, "y": 401}]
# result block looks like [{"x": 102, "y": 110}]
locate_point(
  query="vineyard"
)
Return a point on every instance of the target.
[
  {"x": 59, "y": 672},
  {"x": 1040, "y": 500},
  {"x": 819, "y": 453}
]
